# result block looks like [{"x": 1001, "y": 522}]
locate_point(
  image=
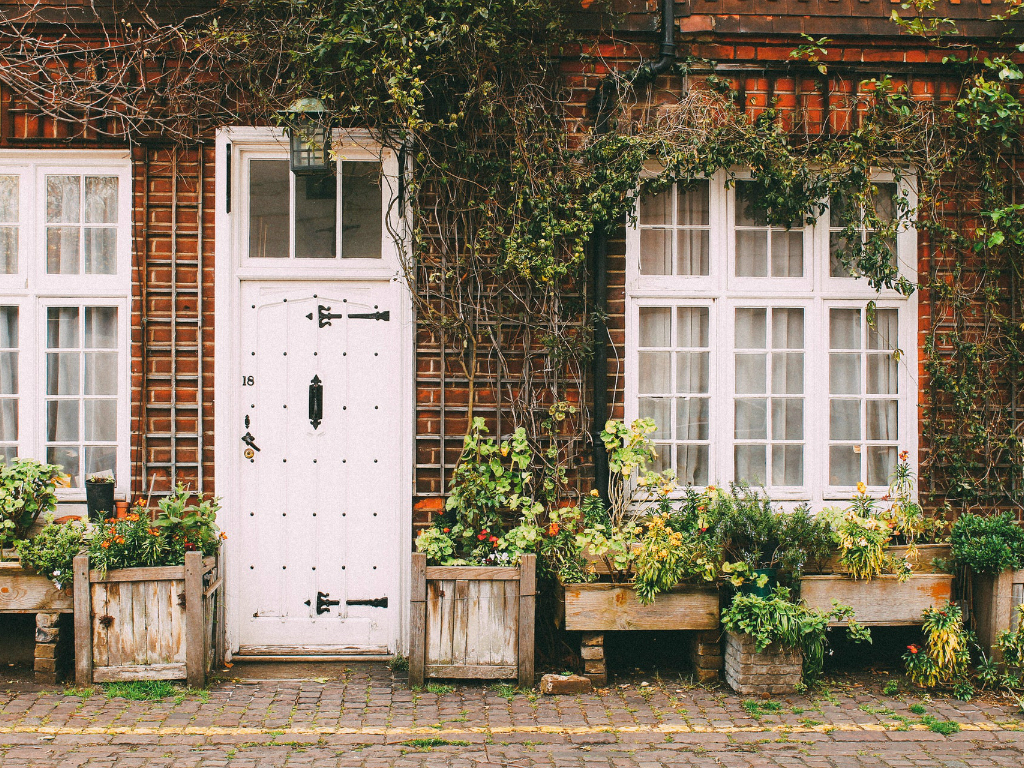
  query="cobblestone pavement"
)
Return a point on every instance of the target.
[{"x": 361, "y": 715}]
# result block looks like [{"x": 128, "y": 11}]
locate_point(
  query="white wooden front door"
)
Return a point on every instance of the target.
[{"x": 320, "y": 438}]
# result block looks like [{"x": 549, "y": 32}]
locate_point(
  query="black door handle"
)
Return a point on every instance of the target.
[{"x": 316, "y": 401}]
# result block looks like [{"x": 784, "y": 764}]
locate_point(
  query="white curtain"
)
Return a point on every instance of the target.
[
  {"x": 8, "y": 381},
  {"x": 62, "y": 378}
]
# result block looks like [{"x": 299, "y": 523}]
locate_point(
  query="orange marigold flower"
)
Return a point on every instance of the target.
[
  {"x": 553, "y": 529},
  {"x": 153, "y": 532},
  {"x": 223, "y": 536},
  {"x": 105, "y": 544},
  {"x": 904, "y": 455}
]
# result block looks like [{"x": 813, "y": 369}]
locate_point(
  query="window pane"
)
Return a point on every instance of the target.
[
  {"x": 101, "y": 199},
  {"x": 8, "y": 250},
  {"x": 269, "y": 227},
  {"x": 787, "y": 328},
  {"x": 101, "y": 420},
  {"x": 8, "y": 419},
  {"x": 655, "y": 373},
  {"x": 62, "y": 421},
  {"x": 9, "y": 327},
  {"x": 316, "y": 198},
  {"x": 692, "y": 464},
  {"x": 361, "y": 210},
  {"x": 693, "y": 257},
  {"x": 881, "y": 464},
  {"x": 62, "y": 373},
  {"x": 656, "y": 251},
  {"x": 100, "y": 459},
  {"x": 694, "y": 204},
  {"x": 101, "y": 373},
  {"x": 844, "y": 465},
  {"x": 693, "y": 372},
  {"x": 8, "y": 373},
  {"x": 842, "y": 210},
  {"x": 747, "y": 213},
  {"x": 787, "y": 419},
  {"x": 788, "y": 373},
  {"x": 751, "y": 253},
  {"x": 101, "y": 251},
  {"x": 751, "y": 328},
  {"x": 844, "y": 329},
  {"x": 101, "y": 327},
  {"x": 838, "y": 248},
  {"x": 787, "y": 465},
  {"x": 9, "y": 199},
  {"x": 751, "y": 419},
  {"x": 751, "y": 465},
  {"x": 63, "y": 199},
  {"x": 844, "y": 374},
  {"x": 882, "y": 378},
  {"x": 655, "y": 327},
  {"x": 662, "y": 459},
  {"x": 67, "y": 458},
  {"x": 659, "y": 409},
  {"x": 883, "y": 333},
  {"x": 692, "y": 418},
  {"x": 787, "y": 253},
  {"x": 884, "y": 198},
  {"x": 882, "y": 422},
  {"x": 657, "y": 209},
  {"x": 693, "y": 328},
  {"x": 844, "y": 420},
  {"x": 62, "y": 251},
  {"x": 62, "y": 327},
  {"x": 751, "y": 376}
]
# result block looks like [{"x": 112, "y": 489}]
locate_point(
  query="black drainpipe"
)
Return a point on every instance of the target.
[{"x": 601, "y": 105}]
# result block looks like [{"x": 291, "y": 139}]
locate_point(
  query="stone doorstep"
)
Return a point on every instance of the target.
[{"x": 560, "y": 685}]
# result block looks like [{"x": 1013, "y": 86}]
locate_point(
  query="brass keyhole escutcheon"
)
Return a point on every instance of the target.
[{"x": 249, "y": 453}]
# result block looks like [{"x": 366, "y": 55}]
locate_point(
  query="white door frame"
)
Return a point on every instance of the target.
[{"x": 228, "y": 277}]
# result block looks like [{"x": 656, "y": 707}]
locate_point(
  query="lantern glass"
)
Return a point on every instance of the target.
[{"x": 310, "y": 148}]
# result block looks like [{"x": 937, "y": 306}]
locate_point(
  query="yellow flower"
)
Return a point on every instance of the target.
[
  {"x": 862, "y": 489},
  {"x": 595, "y": 492}
]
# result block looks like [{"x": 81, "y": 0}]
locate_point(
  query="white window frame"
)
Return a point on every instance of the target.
[
  {"x": 349, "y": 146},
  {"x": 816, "y": 292},
  {"x": 33, "y": 290}
]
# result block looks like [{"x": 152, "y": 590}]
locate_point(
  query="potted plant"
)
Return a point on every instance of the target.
[
  {"x": 474, "y": 573},
  {"x": 989, "y": 552},
  {"x": 145, "y": 571},
  {"x": 889, "y": 554},
  {"x": 774, "y": 645},
  {"x": 649, "y": 559},
  {"x": 99, "y": 495}
]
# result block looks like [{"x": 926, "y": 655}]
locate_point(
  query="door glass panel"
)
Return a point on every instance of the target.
[
  {"x": 269, "y": 226},
  {"x": 362, "y": 213},
  {"x": 316, "y": 198},
  {"x": 62, "y": 251},
  {"x": 8, "y": 382},
  {"x": 656, "y": 251}
]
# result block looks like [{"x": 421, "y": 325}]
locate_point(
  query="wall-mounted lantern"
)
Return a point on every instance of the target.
[{"x": 309, "y": 137}]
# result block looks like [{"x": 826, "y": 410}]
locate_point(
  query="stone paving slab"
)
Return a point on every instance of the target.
[{"x": 364, "y": 715}]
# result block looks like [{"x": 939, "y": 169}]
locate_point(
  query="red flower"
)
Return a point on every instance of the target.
[
  {"x": 447, "y": 530},
  {"x": 913, "y": 648},
  {"x": 481, "y": 536}
]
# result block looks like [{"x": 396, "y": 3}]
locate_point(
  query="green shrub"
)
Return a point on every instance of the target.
[
  {"x": 52, "y": 551},
  {"x": 988, "y": 544},
  {"x": 26, "y": 492}
]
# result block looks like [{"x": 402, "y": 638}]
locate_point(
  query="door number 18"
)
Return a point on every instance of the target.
[{"x": 248, "y": 381}]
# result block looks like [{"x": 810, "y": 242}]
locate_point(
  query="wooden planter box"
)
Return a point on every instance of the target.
[
  {"x": 163, "y": 623},
  {"x": 882, "y": 601},
  {"x": 472, "y": 622},
  {"x": 24, "y": 592},
  {"x": 994, "y": 600},
  {"x": 600, "y": 607},
  {"x": 926, "y": 555}
]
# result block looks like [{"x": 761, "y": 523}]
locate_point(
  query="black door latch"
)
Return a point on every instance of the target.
[
  {"x": 323, "y": 605},
  {"x": 377, "y": 602},
  {"x": 249, "y": 440}
]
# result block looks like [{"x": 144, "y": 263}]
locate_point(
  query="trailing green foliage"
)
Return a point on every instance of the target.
[
  {"x": 945, "y": 659},
  {"x": 27, "y": 490},
  {"x": 51, "y": 552}
]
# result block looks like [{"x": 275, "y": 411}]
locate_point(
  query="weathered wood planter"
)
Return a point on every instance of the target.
[
  {"x": 775, "y": 670},
  {"x": 472, "y": 622},
  {"x": 161, "y": 623},
  {"x": 882, "y": 601},
  {"x": 600, "y": 607},
  {"x": 994, "y": 600},
  {"x": 24, "y": 592},
  {"x": 924, "y": 562}
]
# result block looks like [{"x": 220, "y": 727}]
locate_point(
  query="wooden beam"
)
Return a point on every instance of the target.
[
  {"x": 417, "y": 619},
  {"x": 159, "y": 573},
  {"x": 527, "y": 608},
  {"x": 24, "y": 592},
  {"x": 195, "y": 630},
  {"x": 83, "y": 622},
  {"x": 140, "y": 672},
  {"x": 475, "y": 672},
  {"x": 471, "y": 573}
]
